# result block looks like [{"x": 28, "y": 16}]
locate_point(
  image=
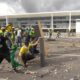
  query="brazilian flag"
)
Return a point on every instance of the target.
[{"x": 12, "y": 57}]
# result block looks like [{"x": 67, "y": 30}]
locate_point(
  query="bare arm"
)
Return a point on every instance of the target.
[{"x": 33, "y": 44}]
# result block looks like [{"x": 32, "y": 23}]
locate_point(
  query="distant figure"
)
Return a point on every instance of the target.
[
  {"x": 58, "y": 34},
  {"x": 50, "y": 33},
  {"x": 19, "y": 37}
]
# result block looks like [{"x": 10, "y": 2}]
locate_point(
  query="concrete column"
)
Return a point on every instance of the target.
[
  {"x": 7, "y": 20},
  {"x": 14, "y": 21},
  {"x": 69, "y": 28},
  {"x": 52, "y": 22},
  {"x": 19, "y": 24},
  {"x": 69, "y": 21}
]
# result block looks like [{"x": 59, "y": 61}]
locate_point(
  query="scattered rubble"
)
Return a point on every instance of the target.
[
  {"x": 4, "y": 78},
  {"x": 55, "y": 71},
  {"x": 74, "y": 78},
  {"x": 30, "y": 72}
]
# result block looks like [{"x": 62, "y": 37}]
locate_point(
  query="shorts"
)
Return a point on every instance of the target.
[{"x": 27, "y": 57}]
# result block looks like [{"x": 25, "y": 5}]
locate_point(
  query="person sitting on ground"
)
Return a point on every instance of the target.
[{"x": 24, "y": 54}]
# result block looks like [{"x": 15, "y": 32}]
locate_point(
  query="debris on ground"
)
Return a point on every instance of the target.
[
  {"x": 55, "y": 71},
  {"x": 74, "y": 78},
  {"x": 30, "y": 72},
  {"x": 4, "y": 78}
]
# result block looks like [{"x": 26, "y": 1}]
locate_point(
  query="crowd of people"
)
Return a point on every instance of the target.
[{"x": 16, "y": 39}]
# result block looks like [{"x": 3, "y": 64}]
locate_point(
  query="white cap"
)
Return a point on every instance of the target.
[{"x": 2, "y": 27}]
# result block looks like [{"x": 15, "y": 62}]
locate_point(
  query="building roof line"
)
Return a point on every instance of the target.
[{"x": 39, "y": 14}]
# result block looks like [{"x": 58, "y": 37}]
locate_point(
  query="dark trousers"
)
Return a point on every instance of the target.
[
  {"x": 6, "y": 56},
  {"x": 34, "y": 50},
  {"x": 19, "y": 41}
]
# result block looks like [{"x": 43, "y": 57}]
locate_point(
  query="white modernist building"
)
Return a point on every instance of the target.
[{"x": 57, "y": 21}]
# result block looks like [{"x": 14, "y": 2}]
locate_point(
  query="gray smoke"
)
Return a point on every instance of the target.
[
  {"x": 50, "y": 5},
  {"x": 43, "y": 5}
]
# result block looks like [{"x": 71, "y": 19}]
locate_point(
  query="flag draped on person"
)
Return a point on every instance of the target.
[{"x": 12, "y": 57}]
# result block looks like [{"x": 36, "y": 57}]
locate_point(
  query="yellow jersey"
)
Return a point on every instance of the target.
[{"x": 24, "y": 49}]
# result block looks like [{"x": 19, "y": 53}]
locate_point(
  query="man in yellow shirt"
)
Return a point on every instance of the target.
[{"x": 25, "y": 54}]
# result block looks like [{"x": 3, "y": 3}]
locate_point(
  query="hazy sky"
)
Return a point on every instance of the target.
[{"x": 21, "y": 6}]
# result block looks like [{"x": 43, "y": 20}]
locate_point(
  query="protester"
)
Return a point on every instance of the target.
[
  {"x": 50, "y": 33},
  {"x": 4, "y": 50},
  {"x": 14, "y": 63},
  {"x": 19, "y": 32},
  {"x": 24, "y": 54}
]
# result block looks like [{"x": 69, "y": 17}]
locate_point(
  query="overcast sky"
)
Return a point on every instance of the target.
[{"x": 21, "y": 6}]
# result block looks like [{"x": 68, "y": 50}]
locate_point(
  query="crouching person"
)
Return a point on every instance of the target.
[{"x": 24, "y": 54}]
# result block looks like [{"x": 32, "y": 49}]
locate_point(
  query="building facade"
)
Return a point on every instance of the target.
[{"x": 57, "y": 21}]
